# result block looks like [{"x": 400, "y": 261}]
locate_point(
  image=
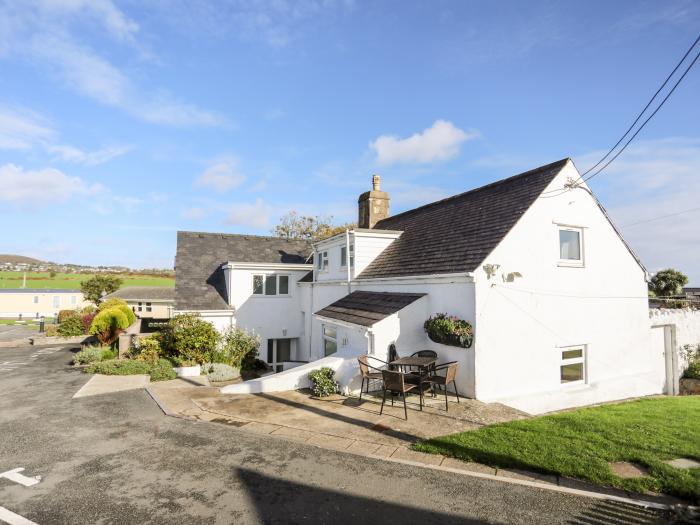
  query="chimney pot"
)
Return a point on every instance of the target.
[{"x": 375, "y": 183}]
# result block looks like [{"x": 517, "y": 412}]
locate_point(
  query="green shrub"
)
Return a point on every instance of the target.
[
  {"x": 322, "y": 383},
  {"x": 147, "y": 349},
  {"x": 159, "y": 371},
  {"x": 51, "y": 331},
  {"x": 93, "y": 354},
  {"x": 188, "y": 339},
  {"x": 218, "y": 372},
  {"x": 237, "y": 348},
  {"x": 691, "y": 355},
  {"x": 70, "y": 327},
  {"x": 121, "y": 304},
  {"x": 63, "y": 315},
  {"x": 108, "y": 323}
]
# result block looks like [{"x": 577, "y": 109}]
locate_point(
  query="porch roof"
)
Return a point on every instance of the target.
[{"x": 367, "y": 308}]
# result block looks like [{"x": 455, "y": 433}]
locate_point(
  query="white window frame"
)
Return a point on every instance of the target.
[
  {"x": 329, "y": 338},
  {"x": 573, "y": 361},
  {"x": 322, "y": 261},
  {"x": 149, "y": 307},
  {"x": 343, "y": 259},
  {"x": 139, "y": 307},
  {"x": 56, "y": 301},
  {"x": 73, "y": 300},
  {"x": 572, "y": 263},
  {"x": 277, "y": 277}
]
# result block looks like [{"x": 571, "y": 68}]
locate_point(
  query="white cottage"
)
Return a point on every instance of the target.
[{"x": 557, "y": 299}]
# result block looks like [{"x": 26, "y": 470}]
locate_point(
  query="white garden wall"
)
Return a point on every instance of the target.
[{"x": 686, "y": 331}]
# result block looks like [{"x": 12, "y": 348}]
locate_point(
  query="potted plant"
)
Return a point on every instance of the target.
[
  {"x": 186, "y": 367},
  {"x": 449, "y": 330}
]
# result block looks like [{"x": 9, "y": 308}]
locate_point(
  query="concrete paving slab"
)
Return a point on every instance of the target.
[
  {"x": 627, "y": 470},
  {"x": 331, "y": 442},
  {"x": 261, "y": 428},
  {"x": 363, "y": 448},
  {"x": 683, "y": 463},
  {"x": 100, "y": 384},
  {"x": 418, "y": 457},
  {"x": 295, "y": 434},
  {"x": 527, "y": 475},
  {"x": 385, "y": 451},
  {"x": 468, "y": 466}
]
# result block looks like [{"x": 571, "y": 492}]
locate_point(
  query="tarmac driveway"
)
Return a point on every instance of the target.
[{"x": 116, "y": 458}]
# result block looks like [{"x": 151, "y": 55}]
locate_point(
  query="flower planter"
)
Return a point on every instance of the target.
[
  {"x": 188, "y": 371},
  {"x": 689, "y": 387},
  {"x": 464, "y": 341}
]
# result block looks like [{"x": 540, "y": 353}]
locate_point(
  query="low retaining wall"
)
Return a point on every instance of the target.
[
  {"x": 57, "y": 341},
  {"x": 347, "y": 374}
]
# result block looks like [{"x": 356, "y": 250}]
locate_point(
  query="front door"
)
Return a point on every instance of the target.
[{"x": 278, "y": 351}]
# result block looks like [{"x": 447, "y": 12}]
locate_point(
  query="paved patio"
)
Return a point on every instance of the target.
[{"x": 336, "y": 421}]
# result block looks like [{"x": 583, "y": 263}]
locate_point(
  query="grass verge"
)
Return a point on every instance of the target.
[{"x": 581, "y": 444}]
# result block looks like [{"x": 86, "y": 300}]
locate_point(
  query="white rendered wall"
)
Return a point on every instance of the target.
[
  {"x": 686, "y": 325},
  {"x": 522, "y": 325},
  {"x": 14, "y": 304}
]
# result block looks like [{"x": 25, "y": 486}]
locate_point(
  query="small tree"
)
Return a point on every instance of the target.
[
  {"x": 237, "y": 348},
  {"x": 121, "y": 304},
  {"x": 108, "y": 324},
  {"x": 666, "y": 283},
  {"x": 188, "y": 339},
  {"x": 93, "y": 287},
  {"x": 313, "y": 228}
]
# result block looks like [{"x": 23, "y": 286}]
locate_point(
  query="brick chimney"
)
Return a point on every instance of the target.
[{"x": 373, "y": 206}]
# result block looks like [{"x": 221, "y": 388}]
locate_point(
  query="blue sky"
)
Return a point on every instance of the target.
[{"x": 122, "y": 122}]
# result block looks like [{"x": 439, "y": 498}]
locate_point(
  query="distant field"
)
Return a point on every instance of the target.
[{"x": 72, "y": 280}]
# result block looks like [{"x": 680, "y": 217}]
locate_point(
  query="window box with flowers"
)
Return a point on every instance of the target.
[{"x": 449, "y": 330}]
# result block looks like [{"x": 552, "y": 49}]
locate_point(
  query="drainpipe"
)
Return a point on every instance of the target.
[
  {"x": 347, "y": 256},
  {"x": 311, "y": 316}
]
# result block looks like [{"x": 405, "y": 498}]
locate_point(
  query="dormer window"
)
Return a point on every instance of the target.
[
  {"x": 271, "y": 284},
  {"x": 344, "y": 256},
  {"x": 322, "y": 261}
]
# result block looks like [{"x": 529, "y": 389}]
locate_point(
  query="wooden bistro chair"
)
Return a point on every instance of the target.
[
  {"x": 368, "y": 372},
  {"x": 441, "y": 381},
  {"x": 395, "y": 384}
]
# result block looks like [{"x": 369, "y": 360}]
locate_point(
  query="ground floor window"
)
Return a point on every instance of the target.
[
  {"x": 573, "y": 364},
  {"x": 278, "y": 351},
  {"x": 148, "y": 307},
  {"x": 330, "y": 340},
  {"x": 56, "y": 301},
  {"x": 139, "y": 307}
]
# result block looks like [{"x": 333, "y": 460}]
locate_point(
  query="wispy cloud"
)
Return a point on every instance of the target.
[
  {"x": 20, "y": 186},
  {"x": 221, "y": 176},
  {"x": 251, "y": 215},
  {"x": 45, "y": 33},
  {"x": 438, "y": 143},
  {"x": 652, "y": 179},
  {"x": 22, "y": 129},
  {"x": 75, "y": 155}
]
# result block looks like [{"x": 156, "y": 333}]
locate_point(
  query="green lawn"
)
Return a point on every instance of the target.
[
  {"x": 72, "y": 280},
  {"x": 581, "y": 443}
]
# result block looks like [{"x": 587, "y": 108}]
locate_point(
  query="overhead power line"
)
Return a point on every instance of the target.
[
  {"x": 582, "y": 177},
  {"x": 660, "y": 217}
]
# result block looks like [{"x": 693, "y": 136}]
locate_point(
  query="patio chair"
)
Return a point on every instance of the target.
[
  {"x": 422, "y": 353},
  {"x": 395, "y": 384},
  {"x": 441, "y": 381},
  {"x": 369, "y": 372}
]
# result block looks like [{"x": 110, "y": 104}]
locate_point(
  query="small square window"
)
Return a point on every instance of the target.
[
  {"x": 283, "y": 284},
  {"x": 270, "y": 285},
  {"x": 257, "y": 284},
  {"x": 572, "y": 368},
  {"x": 330, "y": 340},
  {"x": 570, "y": 246}
]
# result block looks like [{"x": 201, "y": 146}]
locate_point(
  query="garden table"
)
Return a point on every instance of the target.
[{"x": 423, "y": 364}]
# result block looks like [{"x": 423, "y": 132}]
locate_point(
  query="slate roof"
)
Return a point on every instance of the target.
[
  {"x": 199, "y": 279},
  {"x": 456, "y": 234},
  {"x": 144, "y": 293},
  {"x": 367, "y": 308}
]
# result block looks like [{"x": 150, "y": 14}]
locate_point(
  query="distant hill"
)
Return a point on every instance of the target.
[{"x": 19, "y": 259}]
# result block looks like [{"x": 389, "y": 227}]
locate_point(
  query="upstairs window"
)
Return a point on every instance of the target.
[
  {"x": 322, "y": 261},
  {"x": 570, "y": 246},
  {"x": 572, "y": 368},
  {"x": 344, "y": 256},
  {"x": 271, "y": 284}
]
